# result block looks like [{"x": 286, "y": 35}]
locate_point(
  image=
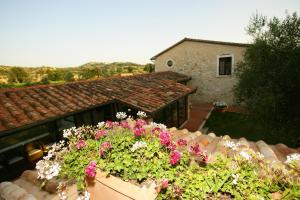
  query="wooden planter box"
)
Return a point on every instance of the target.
[{"x": 103, "y": 188}]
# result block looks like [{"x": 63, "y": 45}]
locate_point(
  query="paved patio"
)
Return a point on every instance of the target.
[{"x": 198, "y": 114}]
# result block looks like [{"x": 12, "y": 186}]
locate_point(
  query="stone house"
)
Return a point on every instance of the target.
[{"x": 210, "y": 64}]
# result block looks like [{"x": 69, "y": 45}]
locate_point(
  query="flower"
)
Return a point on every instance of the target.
[
  {"x": 175, "y": 157},
  {"x": 293, "y": 158},
  {"x": 140, "y": 123},
  {"x": 67, "y": 133},
  {"x": 138, "y": 131},
  {"x": 165, "y": 138},
  {"x": 141, "y": 114},
  {"x": 137, "y": 145},
  {"x": 121, "y": 115},
  {"x": 235, "y": 178},
  {"x": 100, "y": 125},
  {"x": 178, "y": 190},
  {"x": 80, "y": 144},
  {"x": 204, "y": 157},
  {"x": 195, "y": 150},
  {"x": 164, "y": 183},
  {"x": 181, "y": 142},
  {"x": 99, "y": 134},
  {"x": 125, "y": 124},
  {"x": 231, "y": 145},
  {"x": 104, "y": 147},
  {"x": 109, "y": 124},
  {"x": 47, "y": 169},
  {"x": 90, "y": 170},
  {"x": 156, "y": 126},
  {"x": 245, "y": 155},
  {"x": 85, "y": 196},
  {"x": 171, "y": 146}
]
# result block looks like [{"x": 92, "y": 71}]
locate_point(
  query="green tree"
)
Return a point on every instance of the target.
[
  {"x": 18, "y": 75},
  {"x": 69, "y": 76},
  {"x": 269, "y": 83},
  {"x": 56, "y": 75},
  {"x": 149, "y": 68},
  {"x": 130, "y": 69}
]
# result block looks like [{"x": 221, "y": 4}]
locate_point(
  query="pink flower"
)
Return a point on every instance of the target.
[
  {"x": 182, "y": 142},
  {"x": 125, "y": 124},
  {"x": 104, "y": 147},
  {"x": 138, "y": 131},
  {"x": 140, "y": 123},
  {"x": 90, "y": 170},
  {"x": 164, "y": 183},
  {"x": 165, "y": 138},
  {"x": 80, "y": 144},
  {"x": 99, "y": 134},
  {"x": 156, "y": 129},
  {"x": 178, "y": 190},
  {"x": 171, "y": 146},
  {"x": 109, "y": 124},
  {"x": 195, "y": 150},
  {"x": 204, "y": 157},
  {"x": 175, "y": 157}
]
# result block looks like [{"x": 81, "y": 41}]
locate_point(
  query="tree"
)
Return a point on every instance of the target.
[
  {"x": 130, "y": 69},
  {"x": 69, "y": 76},
  {"x": 149, "y": 67},
  {"x": 18, "y": 75},
  {"x": 269, "y": 83}
]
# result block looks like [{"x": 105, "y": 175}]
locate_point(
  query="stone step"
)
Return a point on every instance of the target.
[
  {"x": 243, "y": 142},
  {"x": 266, "y": 151},
  {"x": 253, "y": 146},
  {"x": 213, "y": 145},
  {"x": 220, "y": 148},
  {"x": 11, "y": 191}
]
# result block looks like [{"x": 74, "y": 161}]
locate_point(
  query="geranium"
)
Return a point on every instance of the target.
[
  {"x": 99, "y": 134},
  {"x": 47, "y": 169},
  {"x": 138, "y": 131},
  {"x": 90, "y": 170},
  {"x": 80, "y": 144},
  {"x": 245, "y": 155},
  {"x": 104, "y": 147},
  {"x": 175, "y": 157},
  {"x": 195, "y": 150},
  {"x": 231, "y": 145},
  {"x": 164, "y": 183},
  {"x": 165, "y": 138},
  {"x": 293, "y": 159},
  {"x": 204, "y": 157},
  {"x": 182, "y": 142},
  {"x": 137, "y": 145},
  {"x": 109, "y": 124},
  {"x": 141, "y": 114},
  {"x": 171, "y": 146},
  {"x": 178, "y": 190},
  {"x": 140, "y": 123},
  {"x": 121, "y": 115},
  {"x": 85, "y": 196},
  {"x": 125, "y": 124}
]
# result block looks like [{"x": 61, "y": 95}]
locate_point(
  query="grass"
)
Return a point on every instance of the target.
[{"x": 238, "y": 125}]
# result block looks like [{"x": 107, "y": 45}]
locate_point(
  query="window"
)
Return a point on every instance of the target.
[
  {"x": 170, "y": 63},
  {"x": 225, "y": 64}
]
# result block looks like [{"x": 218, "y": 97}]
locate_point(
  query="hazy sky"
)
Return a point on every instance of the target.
[{"x": 70, "y": 33}]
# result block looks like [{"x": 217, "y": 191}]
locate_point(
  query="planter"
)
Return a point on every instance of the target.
[
  {"x": 111, "y": 187},
  {"x": 221, "y": 110}
]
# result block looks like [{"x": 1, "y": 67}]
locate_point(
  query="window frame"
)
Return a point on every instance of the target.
[
  {"x": 218, "y": 65},
  {"x": 173, "y": 63}
]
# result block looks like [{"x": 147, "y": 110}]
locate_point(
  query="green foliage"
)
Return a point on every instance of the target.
[
  {"x": 45, "y": 80},
  {"x": 55, "y": 75},
  {"x": 18, "y": 75},
  {"x": 149, "y": 67},
  {"x": 269, "y": 83},
  {"x": 69, "y": 76},
  {"x": 130, "y": 69}
]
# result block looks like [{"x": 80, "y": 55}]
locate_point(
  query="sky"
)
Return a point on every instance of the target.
[{"x": 67, "y": 33}]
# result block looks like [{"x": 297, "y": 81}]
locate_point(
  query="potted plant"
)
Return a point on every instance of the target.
[{"x": 220, "y": 106}]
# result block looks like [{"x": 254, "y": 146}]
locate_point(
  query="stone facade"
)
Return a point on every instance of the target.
[{"x": 199, "y": 59}]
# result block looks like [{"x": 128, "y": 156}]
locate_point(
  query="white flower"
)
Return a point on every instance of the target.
[
  {"x": 137, "y": 145},
  {"x": 235, "y": 178},
  {"x": 62, "y": 195},
  {"x": 156, "y": 125},
  {"x": 68, "y": 132},
  {"x": 47, "y": 169},
  {"x": 231, "y": 144},
  {"x": 259, "y": 155},
  {"x": 86, "y": 196},
  {"x": 245, "y": 155},
  {"x": 293, "y": 158},
  {"x": 141, "y": 114},
  {"x": 121, "y": 115},
  {"x": 100, "y": 125}
]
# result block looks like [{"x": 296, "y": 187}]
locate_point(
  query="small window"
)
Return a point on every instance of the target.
[
  {"x": 170, "y": 63},
  {"x": 225, "y": 65}
]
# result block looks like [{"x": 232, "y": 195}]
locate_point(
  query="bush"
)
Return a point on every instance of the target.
[
  {"x": 18, "y": 75},
  {"x": 269, "y": 83},
  {"x": 69, "y": 76}
]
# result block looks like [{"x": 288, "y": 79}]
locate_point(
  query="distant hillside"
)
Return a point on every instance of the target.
[{"x": 17, "y": 76}]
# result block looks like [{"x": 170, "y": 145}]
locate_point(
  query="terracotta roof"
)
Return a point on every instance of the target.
[
  {"x": 23, "y": 106},
  {"x": 203, "y": 41}
]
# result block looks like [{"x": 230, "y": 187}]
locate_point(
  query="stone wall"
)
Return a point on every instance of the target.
[{"x": 199, "y": 60}]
